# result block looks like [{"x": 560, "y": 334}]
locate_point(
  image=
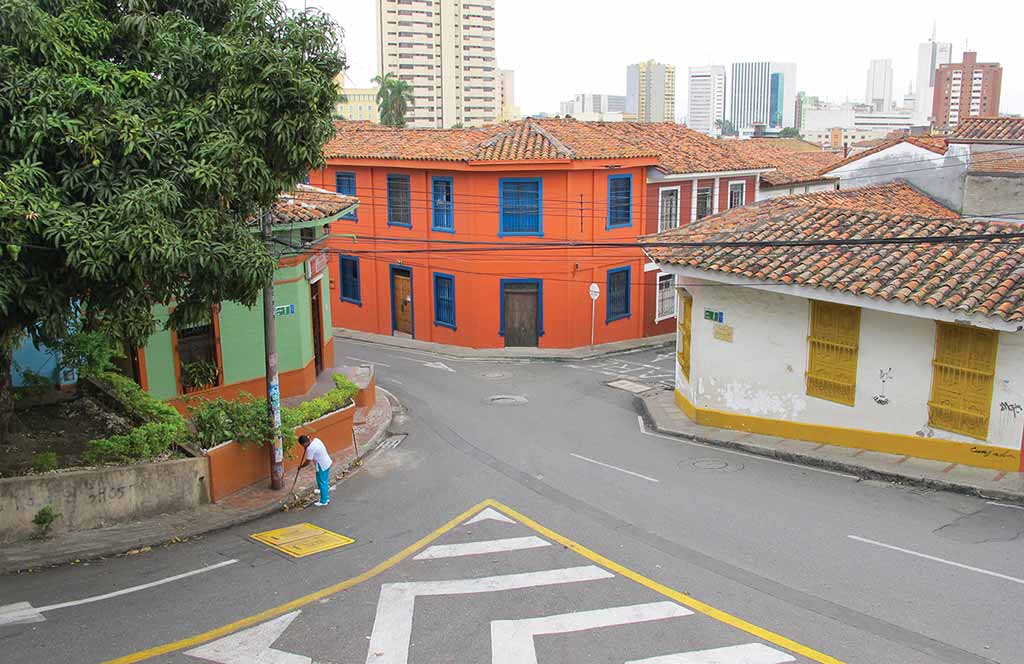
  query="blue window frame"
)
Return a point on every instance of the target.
[
  {"x": 305, "y": 180},
  {"x": 349, "y": 268},
  {"x": 399, "y": 201},
  {"x": 443, "y": 204},
  {"x": 540, "y": 303},
  {"x": 520, "y": 202},
  {"x": 444, "y": 300},
  {"x": 345, "y": 183},
  {"x": 618, "y": 294},
  {"x": 620, "y": 201}
]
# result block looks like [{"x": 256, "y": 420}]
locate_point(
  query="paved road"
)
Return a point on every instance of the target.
[{"x": 599, "y": 543}]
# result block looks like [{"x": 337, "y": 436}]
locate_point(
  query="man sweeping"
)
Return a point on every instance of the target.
[{"x": 316, "y": 452}]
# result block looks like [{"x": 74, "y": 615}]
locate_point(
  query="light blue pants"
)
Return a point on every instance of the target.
[{"x": 323, "y": 479}]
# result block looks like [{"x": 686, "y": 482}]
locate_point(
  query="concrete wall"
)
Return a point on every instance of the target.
[
  {"x": 761, "y": 372},
  {"x": 765, "y": 193},
  {"x": 994, "y": 194},
  {"x": 95, "y": 498}
]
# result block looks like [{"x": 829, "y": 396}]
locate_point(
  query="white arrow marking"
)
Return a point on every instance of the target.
[
  {"x": 476, "y": 548},
  {"x": 750, "y": 653},
  {"x": 22, "y": 612},
  {"x": 438, "y": 365},
  {"x": 489, "y": 513},
  {"x": 392, "y": 627},
  {"x": 252, "y": 646},
  {"x": 512, "y": 640}
]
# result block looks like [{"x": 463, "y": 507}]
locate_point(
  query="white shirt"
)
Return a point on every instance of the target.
[{"x": 317, "y": 453}]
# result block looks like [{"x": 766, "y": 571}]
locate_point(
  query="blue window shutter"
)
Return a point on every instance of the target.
[
  {"x": 617, "y": 302},
  {"x": 350, "y": 291},
  {"x": 620, "y": 201},
  {"x": 399, "y": 201},
  {"x": 442, "y": 198},
  {"x": 345, "y": 183},
  {"x": 444, "y": 300},
  {"x": 521, "y": 206}
]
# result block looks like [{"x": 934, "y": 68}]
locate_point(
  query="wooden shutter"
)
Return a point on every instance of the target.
[
  {"x": 685, "y": 333},
  {"x": 963, "y": 372},
  {"x": 832, "y": 347}
]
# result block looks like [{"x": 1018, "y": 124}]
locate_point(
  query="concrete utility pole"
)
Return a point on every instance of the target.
[{"x": 273, "y": 382}]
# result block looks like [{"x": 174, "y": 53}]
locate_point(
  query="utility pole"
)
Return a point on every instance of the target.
[{"x": 273, "y": 382}]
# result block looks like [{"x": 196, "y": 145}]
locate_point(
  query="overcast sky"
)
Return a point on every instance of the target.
[{"x": 561, "y": 47}]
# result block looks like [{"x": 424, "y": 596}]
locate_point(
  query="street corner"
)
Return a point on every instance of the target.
[{"x": 490, "y": 585}]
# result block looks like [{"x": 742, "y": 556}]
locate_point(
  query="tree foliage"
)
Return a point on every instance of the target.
[
  {"x": 136, "y": 140},
  {"x": 726, "y": 128},
  {"x": 790, "y": 132},
  {"x": 394, "y": 98}
]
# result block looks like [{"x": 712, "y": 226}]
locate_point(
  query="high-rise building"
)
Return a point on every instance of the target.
[
  {"x": 879, "y": 88},
  {"x": 763, "y": 93},
  {"x": 444, "y": 49},
  {"x": 706, "y": 95},
  {"x": 966, "y": 89},
  {"x": 930, "y": 55},
  {"x": 507, "y": 101},
  {"x": 651, "y": 91}
]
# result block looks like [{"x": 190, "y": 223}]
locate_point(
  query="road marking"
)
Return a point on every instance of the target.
[
  {"x": 476, "y": 548},
  {"x": 358, "y": 359},
  {"x": 439, "y": 365},
  {"x": 608, "y": 465},
  {"x": 938, "y": 560},
  {"x": 750, "y": 653},
  {"x": 392, "y": 626},
  {"x": 1012, "y": 507},
  {"x": 252, "y": 646},
  {"x": 676, "y": 439},
  {"x": 512, "y": 641},
  {"x": 489, "y": 513},
  {"x": 24, "y": 612}
]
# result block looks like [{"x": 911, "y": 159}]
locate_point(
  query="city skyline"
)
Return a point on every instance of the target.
[{"x": 836, "y": 78}]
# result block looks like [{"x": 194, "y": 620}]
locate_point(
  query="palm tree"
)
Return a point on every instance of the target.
[{"x": 394, "y": 98}]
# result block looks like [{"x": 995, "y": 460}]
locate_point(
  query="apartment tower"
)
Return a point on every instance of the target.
[
  {"x": 967, "y": 89},
  {"x": 706, "y": 99},
  {"x": 763, "y": 93},
  {"x": 651, "y": 92},
  {"x": 444, "y": 49},
  {"x": 879, "y": 88}
]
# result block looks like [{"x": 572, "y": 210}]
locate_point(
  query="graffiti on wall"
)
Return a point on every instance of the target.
[{"x": 884, "y": 376}]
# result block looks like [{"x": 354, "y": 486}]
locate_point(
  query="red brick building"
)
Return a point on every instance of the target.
[
  {"x": 966, "y": 89},
  {"x": 491, "y": 236}
]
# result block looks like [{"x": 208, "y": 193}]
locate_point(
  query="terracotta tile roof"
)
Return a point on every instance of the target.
[
  {"x": 989, "y": 130},
  {"x": 936, "y": 144},
  {"x": 791, "y": 167},
  {"x": 979, "y": 277},
  {"x": 793, "y": 144},
  {"x": 308, "y": 203},
  {"x": 673, "y": 148},
  {"x": 997, "y": 162}
]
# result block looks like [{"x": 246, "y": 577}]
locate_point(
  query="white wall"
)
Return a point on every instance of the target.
[
  {"x": 764, "y": 193},
  {"x": 761, "y": 373}
]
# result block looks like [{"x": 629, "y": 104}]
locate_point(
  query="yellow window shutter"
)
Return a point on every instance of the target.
[
  {"x": 832, "y": 352},
  {"x": 685, "y": 333},
  {"x": 963, "y": 373}
]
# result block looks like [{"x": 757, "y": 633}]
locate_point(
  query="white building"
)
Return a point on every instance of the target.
[
  {"x": 651, "y": 92},
  {"x": 598, "y": 104},
  {"x": 706, "y": 99},
  {"x": 763, "y": 93},
  {"x": 930, "y": 55},
  {"x": 507, "y": 101},
  {"x": 444, "y": 49},
  {"x": 878, "y": 92},
  {"x": 917, "y": 357}
]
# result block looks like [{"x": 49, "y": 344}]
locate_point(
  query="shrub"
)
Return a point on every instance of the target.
[
  {"x": 43, "y": 519},
  {"x": 139, "y": 444},
  {"x": 34, "y": 385},
  {"x": 138, "y": 402},
  {"x": 199, "y": 375},
  {"x": 244, "y": 420},
  {"x": 44, "y": 461},
  {"x": 89, "y": 352}
]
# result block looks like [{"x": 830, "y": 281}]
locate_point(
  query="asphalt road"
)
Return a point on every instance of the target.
[{"x": 600, "y": 543}]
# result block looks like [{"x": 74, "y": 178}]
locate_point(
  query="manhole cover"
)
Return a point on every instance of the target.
[
  {"x": 714, "y": 465},
  {"x": 507, "y": 400}
]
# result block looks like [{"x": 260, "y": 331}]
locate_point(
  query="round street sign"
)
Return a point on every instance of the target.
[{"x": 595, "y": 291}]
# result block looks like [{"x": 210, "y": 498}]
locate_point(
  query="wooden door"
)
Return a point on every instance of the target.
[
  {"x": 401, "y": 301},
  {"x": 521, "y": 314},
  {"x": 318, "y": 327}
]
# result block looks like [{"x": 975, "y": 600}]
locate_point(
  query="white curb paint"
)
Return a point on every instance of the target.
[
  {"x": 938, "y": 560},
  {"x": 751, "y": 653},
  {"x": 16, "y": 613},
  {"x": 1012, "y": 507},
  {"x": 252, "y": 646},
  {"x": 608, "y": 465},
  {"x": 489, "y": 513},
  {"x": 512, "y": 640},
  {"x": 476, "y": 548},
  {"x": 392, "y": 626}
]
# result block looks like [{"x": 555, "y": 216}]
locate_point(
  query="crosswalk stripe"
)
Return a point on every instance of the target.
[
  {"x": 750, "y": 653},
  {"x": 476, "y": 548},
  {"x": 512, "y": 641},
  {"x": 489, "y": 513}
]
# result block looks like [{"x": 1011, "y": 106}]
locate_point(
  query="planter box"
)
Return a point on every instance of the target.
[
  {"x": 97, "y": 498},
  {"x": 234, "y": 466}
]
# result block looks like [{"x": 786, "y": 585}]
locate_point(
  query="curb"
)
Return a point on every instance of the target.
[
  {"x": 863, "y": 472},
  {"x": 284, "y": 504}
]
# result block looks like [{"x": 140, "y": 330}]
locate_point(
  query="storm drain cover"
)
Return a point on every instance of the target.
[
  {"x": 302, "y": 539},
  {"x": 629, "y": 386},
  {"x": 507, "y": 400},
  {"x": 715, "y": 465}
]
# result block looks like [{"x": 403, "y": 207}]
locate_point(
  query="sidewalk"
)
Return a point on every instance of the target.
[
  {"x": 463, "y": 353},
  {"x": 661, "y": 413},
  {"x": 250, "y": 503}
]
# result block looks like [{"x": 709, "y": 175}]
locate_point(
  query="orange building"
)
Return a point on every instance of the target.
[{"x": 466, "y": 236}]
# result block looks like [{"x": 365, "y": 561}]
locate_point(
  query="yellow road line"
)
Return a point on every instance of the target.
[
  {"x": 661, "y": 589},
  {"x": 299, "y": 602}
]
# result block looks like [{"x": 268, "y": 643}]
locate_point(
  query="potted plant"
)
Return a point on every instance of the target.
[{"x": 199, "y": 375}]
